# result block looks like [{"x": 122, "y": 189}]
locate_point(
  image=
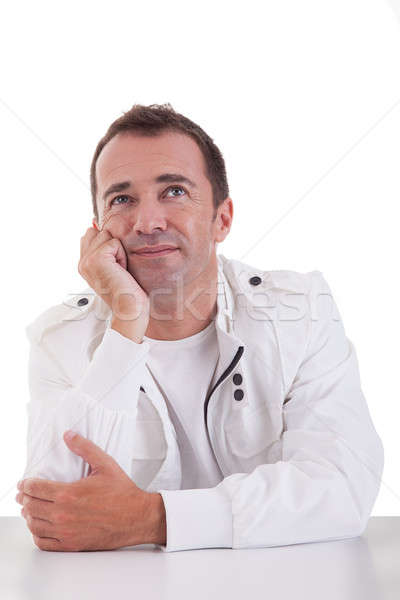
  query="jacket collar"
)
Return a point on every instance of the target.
[
  {"x": 228, "y": 341},
  {"x": 224, "y": 319}
]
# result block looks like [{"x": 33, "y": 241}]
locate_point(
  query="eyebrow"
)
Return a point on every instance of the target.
[{"x": 164, "y": 178}]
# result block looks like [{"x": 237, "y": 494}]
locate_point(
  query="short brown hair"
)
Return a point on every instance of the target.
[{"x": 155, "y": 119}]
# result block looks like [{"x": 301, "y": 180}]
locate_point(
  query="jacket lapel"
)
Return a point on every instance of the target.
[{"x": 228, "y": 341}]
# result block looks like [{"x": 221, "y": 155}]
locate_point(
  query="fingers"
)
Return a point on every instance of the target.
[
  {"x": 41, "y": 528},
  {"x": 92, "y": 239},
  {"x": 86, "y": 239},
  {"x": 121, "y": 257},
  {"x": 104, "y": 219},
  {"x": 49, "y": 544},
  {"x": 35, "y": 507}
]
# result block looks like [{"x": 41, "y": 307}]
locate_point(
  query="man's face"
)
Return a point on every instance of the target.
[{"x": 149, "y": 213}]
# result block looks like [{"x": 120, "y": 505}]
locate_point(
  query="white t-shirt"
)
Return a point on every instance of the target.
[{"x": 192, "y": 362}]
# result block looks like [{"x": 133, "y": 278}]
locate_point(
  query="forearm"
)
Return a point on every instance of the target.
[{"x": 89, "y": 404}]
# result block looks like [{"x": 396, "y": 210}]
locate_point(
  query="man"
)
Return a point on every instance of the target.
[{"x": 216, "y": 404}]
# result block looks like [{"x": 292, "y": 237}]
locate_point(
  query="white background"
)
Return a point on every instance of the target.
[{"x": 303, "y": 99}]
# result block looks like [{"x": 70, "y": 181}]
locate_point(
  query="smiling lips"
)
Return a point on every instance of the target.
[{"x": 154, "y": 251}]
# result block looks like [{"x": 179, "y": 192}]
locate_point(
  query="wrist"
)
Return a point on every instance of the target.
[
  {"x": 128, "y": 329},
  {"x": 157, "y": 520}
]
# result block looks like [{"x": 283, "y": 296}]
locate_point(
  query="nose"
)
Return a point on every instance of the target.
[{"x": 148, "y": 216}]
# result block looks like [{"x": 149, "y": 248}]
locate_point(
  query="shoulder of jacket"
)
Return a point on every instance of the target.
[
  {"x": 253, "y": 280},
  {"x": 73, "y": 308}
]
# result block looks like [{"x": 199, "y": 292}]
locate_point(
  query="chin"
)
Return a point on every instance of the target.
[{"x": 150, "y": 276}]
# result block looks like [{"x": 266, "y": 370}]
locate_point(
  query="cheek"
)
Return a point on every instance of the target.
[
  {"x": 198, "y": 230},
  {"x": 115, "y": 225}
]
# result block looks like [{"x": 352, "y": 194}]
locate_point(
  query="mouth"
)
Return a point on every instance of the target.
[{"x": 155, "y": 253}]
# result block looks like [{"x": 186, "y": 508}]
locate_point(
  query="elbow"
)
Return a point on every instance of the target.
[
  {"x": 363, "y": 488},
  {"x": 354, "y": 490}
]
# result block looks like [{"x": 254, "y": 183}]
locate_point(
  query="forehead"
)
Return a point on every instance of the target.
[{"x": 141, "y": 157}]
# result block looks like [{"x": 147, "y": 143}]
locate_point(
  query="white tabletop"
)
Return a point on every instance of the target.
[{"x": 367, "y": 567}]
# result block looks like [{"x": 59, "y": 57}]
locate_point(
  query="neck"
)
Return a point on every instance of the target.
[{"x": 187, "y": 311}]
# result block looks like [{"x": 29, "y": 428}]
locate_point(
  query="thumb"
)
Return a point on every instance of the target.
[{"x": 88, "y": 450}]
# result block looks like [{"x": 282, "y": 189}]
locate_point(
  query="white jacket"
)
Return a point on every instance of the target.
[{"x": 300, "y": 457}]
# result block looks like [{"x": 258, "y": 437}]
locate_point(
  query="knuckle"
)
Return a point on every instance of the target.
[
  {"x": 38, "y": 542},
  {"x": 28, "y": 503},
  {"x": 82, "y": 266},
  {"x": 28, "y": 488},
  {"x": 66, "y": 537},
  {"x": 34, "y": 527},
  {"x": 87, "y": 262}
]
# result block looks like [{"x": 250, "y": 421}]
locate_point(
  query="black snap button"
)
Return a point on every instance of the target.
[
  {"x": 142, "y": 389},
  {"x": 82, "y": 301},
  {"x": 237, "y": 379},
  {"x": 238, "y": 394},
  {"x": 256, "y": 280}
]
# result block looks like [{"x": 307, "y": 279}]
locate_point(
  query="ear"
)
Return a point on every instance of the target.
[{"x": 223, "y": 220}]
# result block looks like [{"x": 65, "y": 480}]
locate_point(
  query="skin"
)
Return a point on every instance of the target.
[
  {"x": 151, "y": 214},
  {"x": 106, "y": 510},
  {"x": 102, "y": 511}
]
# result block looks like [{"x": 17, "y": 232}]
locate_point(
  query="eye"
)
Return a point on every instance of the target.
[
  {"x": 176, "y": 187},
  {"x": 116, "y": 198},
  {"x": 171, "y": 187}
]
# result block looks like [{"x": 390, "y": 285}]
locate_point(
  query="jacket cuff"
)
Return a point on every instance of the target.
[
  {"x": 198, "y": 518},
  {"x": 112, "y": 360}
]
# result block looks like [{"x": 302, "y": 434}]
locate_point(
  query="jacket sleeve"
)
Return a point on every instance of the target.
[
  {"x": 101, "y": 406},
  {"x": 327, "y": 478}
]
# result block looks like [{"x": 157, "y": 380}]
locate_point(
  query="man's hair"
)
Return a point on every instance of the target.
[{"x": 154, "y": 120}]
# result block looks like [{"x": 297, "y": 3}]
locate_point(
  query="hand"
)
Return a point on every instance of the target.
[
  {"x": 103, "y": 511},
  {"x": 103, "y": 264}
]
